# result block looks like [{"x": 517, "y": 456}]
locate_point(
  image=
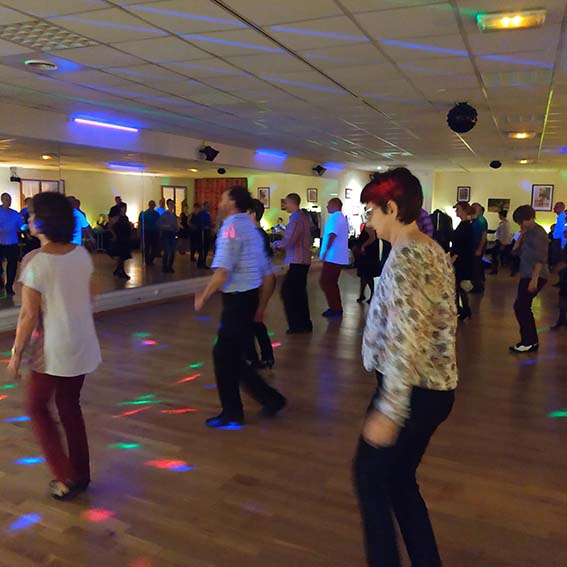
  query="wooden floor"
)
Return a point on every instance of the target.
[{"x": 278, "y": 493}]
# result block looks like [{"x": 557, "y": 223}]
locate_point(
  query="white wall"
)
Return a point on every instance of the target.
[
  {"x": 513, "y": 185},
  {"x": 96, "y": 190}
]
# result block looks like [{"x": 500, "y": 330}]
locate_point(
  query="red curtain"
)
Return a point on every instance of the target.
[{"x": 211, "y": 190}]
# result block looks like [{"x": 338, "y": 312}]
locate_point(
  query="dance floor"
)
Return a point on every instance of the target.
[{"x": 167, "y": 492}]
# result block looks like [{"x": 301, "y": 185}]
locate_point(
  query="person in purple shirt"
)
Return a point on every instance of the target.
[
  {"x": 424, "y": 223},
  {"x": 10, "y": 226}
]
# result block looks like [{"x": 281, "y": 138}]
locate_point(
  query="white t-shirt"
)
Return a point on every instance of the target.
[
  {"x": 65, "y": 342},
  {"x": 338, "y": 254},
  {"x": 81, "y": 222}
]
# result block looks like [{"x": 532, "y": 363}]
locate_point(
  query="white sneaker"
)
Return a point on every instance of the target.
[{"x": 524, "y": 348}]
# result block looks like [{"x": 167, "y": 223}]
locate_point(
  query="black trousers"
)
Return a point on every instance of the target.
[
  {"x": 204, "y": 246},
  {"x": 168, "y": 245},
  {"x": 523, "y": 311},
  {"x": 295, "y": 300},
  {"x": 151, "y": 246},
  {"x": 11, "y": 254},
  {"x": 264, "y": 342},
  {"x": 235, "y": 334},
  {"x": 479, "y": 277},
  {"x": 386, "y": 485},
  {"x": 194, "y": 242}
]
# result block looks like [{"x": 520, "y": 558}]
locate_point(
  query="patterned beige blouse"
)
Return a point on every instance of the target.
[{"x": 411, "y": 327}]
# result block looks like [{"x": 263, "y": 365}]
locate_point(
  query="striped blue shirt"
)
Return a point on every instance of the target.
[{"x": 240, "y": 252}]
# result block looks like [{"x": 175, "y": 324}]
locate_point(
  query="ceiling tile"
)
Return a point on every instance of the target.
[
  {"x": 211, "y": 67},
  {"x": 47, "y": 8},
  {"x": 343, "y": 56},
  {"x": 515, "y": 40},
  {"x": 108, "y": 26},
  {"x": 9, "y": 48},
  {"x": 162, "y": 49},
  {"x": 267, "y": 62},
  {"x": 412, "y": 49},
  {"x": 101, "y": 56},
  {"x": 8, "y": 17},
  {"x": 92, "y": 77}
]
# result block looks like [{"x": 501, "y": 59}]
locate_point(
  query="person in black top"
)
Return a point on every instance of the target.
[
  {"x": 114, "y": 212},
  {"x": 194, "y": 232},
  {"x": 183, "y": 234},
  {"x": 121, "y": 247},
  {"x": 462, "y": 256},
  {"x": 367, "y": 254},
  {"x": 266, "y": 359},
  {"x": 204, "y": 226},
  {"x": 442, "y": 228}
]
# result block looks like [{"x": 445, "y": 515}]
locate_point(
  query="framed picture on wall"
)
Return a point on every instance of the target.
[
  {"x": 264, "y": 196},
  {"x": 542, "y": 197},
  {"x": 348, "y": 193},
  {"x": 463, "y": 193},
  {"x": 497, "y": 205},
  {"x": 312, "y": 196}
]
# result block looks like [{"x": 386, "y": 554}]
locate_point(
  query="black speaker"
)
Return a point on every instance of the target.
[
  {"x": 495, "y": 164},
  {"x": 15, "y": 179},
  {"x": 221, "y": 170},
  {"x": 319, "y": 170},
  {"x": 209, "y": 152},
  {"x": 462, "y": 118}
]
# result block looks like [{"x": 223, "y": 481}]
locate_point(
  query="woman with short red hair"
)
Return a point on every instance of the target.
[{"x": 409, "y": 341}]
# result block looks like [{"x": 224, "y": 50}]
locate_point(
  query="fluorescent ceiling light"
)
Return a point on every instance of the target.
[
  {"x": 521, "y": 135},
  {"x": 192, "y": 169},
  {"x": 126, "y": 166},
  {"x": 524, "y": 161},
  {"x": 271, "y": 153},
  {"x": 46, "y": 156},
  {"x": 510, "y": 20},
  {"x": 91, "y": 122}
]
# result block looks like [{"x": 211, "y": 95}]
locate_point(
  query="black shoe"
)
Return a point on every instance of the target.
[
  {"x": 331, "y": 313},
  {"x": 223, "y": 421},
  {"x": 521, "y": 349},
  {"x": 10, "y": 291},
  {"x": 64, "y": 490},
  {"x": 465, "y": 314},
  {"x": 271, "y": 410},
  {"x": 361, "y": 299}
]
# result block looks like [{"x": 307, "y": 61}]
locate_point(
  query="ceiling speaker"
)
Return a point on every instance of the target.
[
  {"x": 319, "y": 170},
  {"x": 209, "y": 153},
  {"x": 462, "y": 118},
  {"x": 495, "y": 164}
]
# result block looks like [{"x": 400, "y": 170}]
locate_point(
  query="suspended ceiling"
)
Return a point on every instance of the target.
[{"x": 363, "y": 82}]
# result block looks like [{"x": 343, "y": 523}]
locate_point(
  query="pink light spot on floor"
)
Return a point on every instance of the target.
[
  {"x": 276, "y": 345},
  {"x": 177, "y": 466},
  {"x": 188, "y": 379},
  {"x": 97, "y": 514},
  {"x": 132, "y": 412},
  {"x": 3, "y": 397},
  {"x": 181, "y": 410},
  {"x": 149, "y": 342}
]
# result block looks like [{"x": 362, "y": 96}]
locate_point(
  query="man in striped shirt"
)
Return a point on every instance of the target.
[
  {"x": 297, "y": 244},
  {"x": 245, "y": 276}
]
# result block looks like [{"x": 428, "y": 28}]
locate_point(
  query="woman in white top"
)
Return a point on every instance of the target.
[
  {"x": 56, "y": 323},
  {"x": 409, "y": 341}
]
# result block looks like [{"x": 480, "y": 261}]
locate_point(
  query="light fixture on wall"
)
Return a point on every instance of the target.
[
  {"x": 524, "y": 161},
  {"x": 271, "y": 153},
  {"x": 138, "y": 167},
  {"x": 499, "y": 21},
  {"x": 103, "y": 124},
  {"x": 193, "y": 170},
  {"x": 46, "y": 157},
  {"x": 209, "y": 152},
  {"x": 521, "y": 135}
]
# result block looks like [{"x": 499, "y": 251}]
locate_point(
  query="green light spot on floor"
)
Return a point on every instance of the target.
[
  {"x": 8, "y": 386},
  {"x": 6, "y": 353},
  {"x": 146, "y": 397},
  {"x": 139, "y": 402},
  {"x": 560, "y": 413},
  {"x": 216, "y": 341},
  {"x": 271, "y": 333},
  {"x": 125, "y": 446},
  {"x": 141, "y": 335},
  {"x": 195, "y": 365}
]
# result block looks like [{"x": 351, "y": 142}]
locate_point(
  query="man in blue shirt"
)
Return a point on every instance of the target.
[
  {"x": 480, "y": 231},
  {"x": 82, "y": 226},
  {"x": 10, "y": 226},
  {"x": 245, "y": 276},
  {"x": 148, "y": 222}
]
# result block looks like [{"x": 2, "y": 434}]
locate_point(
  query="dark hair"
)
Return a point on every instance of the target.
[
  {"x": 503, "y": 213},
  {"x": 294, "y": 198},
  {"x": 241, "y": 197},
  {"x": 523, "y": 213},
  {"x": 170, "y": 201},
  {"x": 335, "y": 201},
  {"x": 465, "y": 206},
  {"x": 195, "y": 205},
  {"x": 398, "y": 185},
  {"x": 54, "y": 216},
  {"x": 258, "y": 209}
]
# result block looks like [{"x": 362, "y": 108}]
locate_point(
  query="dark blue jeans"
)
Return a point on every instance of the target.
[
  {"x": 168, "y": 245},
  {"x": 386, "y": 485}
]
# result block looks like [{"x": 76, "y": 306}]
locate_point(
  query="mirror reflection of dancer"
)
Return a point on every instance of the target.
[{"x": 245, "y": 275}]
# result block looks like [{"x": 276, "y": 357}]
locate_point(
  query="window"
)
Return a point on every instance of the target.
[
  {"x": 177, "y": 193},
  {"x": 31, "y": 187}
]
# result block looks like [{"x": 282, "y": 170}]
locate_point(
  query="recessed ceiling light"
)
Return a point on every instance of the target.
[
  {"x": 524, "y": 161},
  {"x": 46, "y": 156},
  {"x": 41, "y": 64},
  {"x": 510, "y": 20},
  {"x": 193, "y": 170},
  {"x": 521, "y": 135}
]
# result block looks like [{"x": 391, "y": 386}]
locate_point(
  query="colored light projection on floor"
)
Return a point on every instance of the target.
[
  {"x": 132, "y": 412},
  {"x": 231, "y": 427},
  {"x": 188, "y": 379},
  {"x": 194, "y": 365},
  {"x": 97, "y": 515},
  {"x": 210, "y": 386},
  {"x": 271, "y": 333},
  {"x": 202, "y": 317},
  {"x": 556, "y": 414},
  {"x": 140, "y": 563},
  {"x": 24, "y": 522},
  {"x": 176, "y": 466},
  {"x": 276, "y": 345},
  {"x": 3, "y": 397},
  {"x": 180, "y": 410},
  {"x": 141, "y": 401},
  {"x": 142, "y": 335},
  {"x": 125, "y": 446},
  {"x": 8, "y": 386},
  {"x": 6, "y": 353},
  {"x": 149, "y": 342},
  {"x": 17, "y": 419},
  {"x": 30, "y": 461}
]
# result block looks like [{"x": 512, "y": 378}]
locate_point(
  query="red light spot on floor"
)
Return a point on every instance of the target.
[
  {"x": 181, "y": 410},
  {"x": 178, "y": 466},
  {"x": 97, "y": 514},
  {"x": 140, "y": 563},
  {"x": 3, "y": 397},
  {"x": 188, "y": 379},
  {"x": 276, "y": 345},
  {"x": 131, "y": 412},
  {"x": 149, "y": 342}
]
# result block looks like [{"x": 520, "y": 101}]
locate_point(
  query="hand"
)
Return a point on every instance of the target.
[
  {"x": 13, "y": 369},
  {"x": 532, "y": 287},
  {"x": 379, "y": 430},
  {"x": 200, "y": 300},
  {"x": 259, "y": 317},
  {"x": 478, "y": 253}
]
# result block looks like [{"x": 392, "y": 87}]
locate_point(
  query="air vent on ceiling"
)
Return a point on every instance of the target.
[
  {"x": 42, "y": 36},
  {"x": 41, "y": 65}
]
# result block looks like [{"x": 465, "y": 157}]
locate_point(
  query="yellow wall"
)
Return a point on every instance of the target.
[{"x": 514, "y": 185}]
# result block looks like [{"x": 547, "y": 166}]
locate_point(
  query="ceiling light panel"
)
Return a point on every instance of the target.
[{"x": 42, "y": 36}]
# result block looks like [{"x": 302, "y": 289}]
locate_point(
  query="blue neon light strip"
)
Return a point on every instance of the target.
[
  {"x": 198, "y": 37},
  {"x": 92, "y": 122},
  {"x": 516, "y": 60},
  {"x": 316, "y": 33},
  {"x": 421, "y": 47},
  {"x": 337, "y": 166},
  {"x": 30, "y": 461},
  {"x": 189, "y": 16},
  {"x": 271, "y": 153},
  {"x": 126, "y": 166}
]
